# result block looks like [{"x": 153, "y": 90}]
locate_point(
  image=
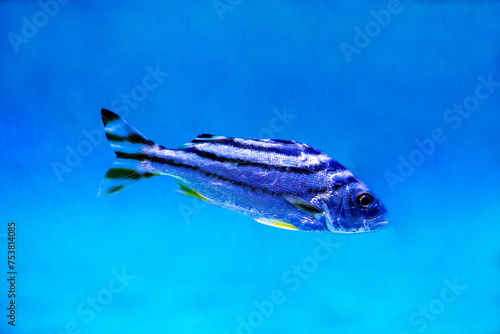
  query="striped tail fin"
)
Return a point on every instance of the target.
[{"x": 130, "y": 147}]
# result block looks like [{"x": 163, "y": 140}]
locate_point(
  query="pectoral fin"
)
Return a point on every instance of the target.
[{"x": 303, "y": 205}]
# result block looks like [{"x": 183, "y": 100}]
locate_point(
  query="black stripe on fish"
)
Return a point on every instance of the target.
[
  {"x": 340, "y": 184},
  {"x": 220, "y": 177},
  {"x": 147, "y": 157},
  {"x": 313, "y": 191},
  {"x": 122, "y": 173},
  {"x": 132, "y": 174},
  {"x": 126, "y": 173},
  {"x": 170, "y": 162},
  {"x": 135, "y": 156},
  {"x": 114, "y": 138},
  {"x": 108, "y": 116},
  {"x": 214, "y": 157},
  {"x": 115, "y": 189},
  {"x": 133, "y": 138},
  {"x": 332, "y": 164},
  {"x": 337, "y": 186},
  {"x": 293, "y": 148},
  {"x": 351, "y": 179}
]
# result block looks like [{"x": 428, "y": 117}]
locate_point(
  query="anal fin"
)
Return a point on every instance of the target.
[{"x": 190, "y": 192}]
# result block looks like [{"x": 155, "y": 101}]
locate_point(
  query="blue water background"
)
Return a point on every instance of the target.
[{"x": 200, "y": 269}]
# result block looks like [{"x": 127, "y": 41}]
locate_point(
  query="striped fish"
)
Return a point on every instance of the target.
[{"x": 277, "y": 182}]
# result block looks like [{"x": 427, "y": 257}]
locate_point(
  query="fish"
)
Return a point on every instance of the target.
[{"x": 281, "y": 183}]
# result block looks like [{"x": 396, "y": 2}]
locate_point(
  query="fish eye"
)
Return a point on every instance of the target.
[{"x": 366, "y": 200}]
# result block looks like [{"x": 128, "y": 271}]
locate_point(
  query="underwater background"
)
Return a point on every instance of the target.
[{"x": 404, "y": 94}]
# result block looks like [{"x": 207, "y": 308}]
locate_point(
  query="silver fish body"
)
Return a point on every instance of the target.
[{"x": 279, "y": 183}]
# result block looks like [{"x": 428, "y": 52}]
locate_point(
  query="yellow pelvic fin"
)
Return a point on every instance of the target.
[{"x": 277, "y": 223}]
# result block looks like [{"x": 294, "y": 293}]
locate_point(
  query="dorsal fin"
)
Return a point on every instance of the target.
[
  {"x": 204, "y": 137},
  {"x": 282, "y": 141}
]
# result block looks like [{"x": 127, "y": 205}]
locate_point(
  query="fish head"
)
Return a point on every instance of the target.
[{"x": 355, "y": 209}]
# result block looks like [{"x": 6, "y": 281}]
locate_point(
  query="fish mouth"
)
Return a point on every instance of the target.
[
  {"x": 379, "y": 226},
  {"x": 376, "y": 224}
]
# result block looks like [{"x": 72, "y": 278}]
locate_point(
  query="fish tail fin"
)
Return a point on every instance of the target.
[{"x": 131, "y": 149}]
